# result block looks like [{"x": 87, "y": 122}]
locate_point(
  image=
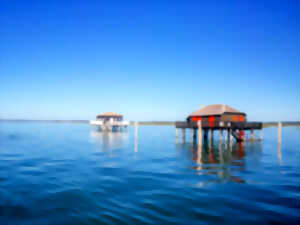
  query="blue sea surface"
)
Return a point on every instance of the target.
[{"x": 55, "y": 173}]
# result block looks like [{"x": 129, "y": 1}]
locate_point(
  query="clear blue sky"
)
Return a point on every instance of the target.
[{"x": 150, "y": 60}]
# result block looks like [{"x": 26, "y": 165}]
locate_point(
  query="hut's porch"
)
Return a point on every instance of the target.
[
  {"x": 221, "y": 125},
  {"x": 236, "y": 129}
]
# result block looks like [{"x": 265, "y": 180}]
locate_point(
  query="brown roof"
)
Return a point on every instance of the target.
[
  {"x": 217, "y": 109},
  {"x": 109, "y": 114}
]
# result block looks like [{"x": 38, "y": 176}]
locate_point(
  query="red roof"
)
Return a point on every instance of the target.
[{"x": 217, "y": 109}]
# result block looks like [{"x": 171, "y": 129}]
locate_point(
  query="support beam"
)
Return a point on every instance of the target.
[
  {"x": 194, "y": 135},
  {"x": 252, "y": 135},
  {"x": 279, "y": 132},
  {"x": 183, "y": 134},
  {"x": 220, "y": 138},
  {"x": 279, "y": 153},
  {"x": 205, "y": 134},
  {"x": 200, "y": 133},
  {"x": 176, "y": 132},
  {"x": 261, "y": 134},
  {"x": 136, "y": 124},
  {"x": 211, "y": 135},
  {"x": 221, "y": 135},
  {"x": 230, "y": 136}
]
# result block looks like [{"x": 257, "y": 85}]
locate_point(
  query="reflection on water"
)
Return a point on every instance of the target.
[
  {"x": 90, "y": 177},
  {"x": 136, "y": 137},
  {"x": 221, "y": 159},
  {"x": 109, "y": 140},
  {"x": 279, "y": 153}
]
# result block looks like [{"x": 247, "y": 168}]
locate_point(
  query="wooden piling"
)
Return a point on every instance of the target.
[
  {"x": 279, "y": 153},
  {"x": 136, "y": 124},
  {"x": 199, "y": 133},
  {"x": 221, "y": 135},
  {"x": 183, "y": 134},
  {"x": 261, "y": 134},
  {"x": 230, "y": 136},
  {"x": 234, "y": 129},
  {"x": 252, "y": 135},
  {"x": 205, "y": 135},
  {"x": 194, "y": 135},
  {"x": 279, "y": 132},
  {"x": 176, "y": 132}
]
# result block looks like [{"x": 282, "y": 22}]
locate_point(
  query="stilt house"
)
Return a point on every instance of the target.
[
  {"x": 217, "y": 113},
  {"x": 109, "y": 117}
]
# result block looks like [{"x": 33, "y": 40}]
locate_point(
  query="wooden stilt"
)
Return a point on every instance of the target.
[
  {"x": 183, "y": 134},
  {"x": 136, "y": 124},
  {"x": 279, "y": 132},
  {"x": 228, "y": 135},
  {"x": 261, "y": 134},
  {"x": 234, "y": 130},
  {"x": 176, "y": 132},
  {"x": 205, "y": 134},
  {"x": 199, "y": 133},
  {"x": 220, "y": 138},
  {"x": 252, "y": 135},
  {"x": 279, "y": 153},
  {"x": 194, "y": 136},
  {"x": 221, "y": 152},
  {"x": 221, "y": 135}
]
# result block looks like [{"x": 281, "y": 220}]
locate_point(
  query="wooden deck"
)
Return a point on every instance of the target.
[{"x": 221, "y": 125}]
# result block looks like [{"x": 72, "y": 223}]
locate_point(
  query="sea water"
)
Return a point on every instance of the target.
[{"x": 56, "y": 173}]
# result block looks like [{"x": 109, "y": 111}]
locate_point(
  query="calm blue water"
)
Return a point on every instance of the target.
[{"x": 72, "y": 174}]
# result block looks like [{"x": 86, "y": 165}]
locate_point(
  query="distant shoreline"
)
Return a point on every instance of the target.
[
  {"x": 44, "y": 121},
  {"x": 142, "y": 123}
]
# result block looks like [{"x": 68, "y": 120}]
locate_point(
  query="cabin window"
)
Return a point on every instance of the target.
[{"x": 211, "y": 120}]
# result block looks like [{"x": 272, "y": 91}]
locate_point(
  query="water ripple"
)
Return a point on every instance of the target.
[{"x": 68, "y": 174}]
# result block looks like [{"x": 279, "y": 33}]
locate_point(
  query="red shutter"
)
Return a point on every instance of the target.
[{"x": 211, "y": 120}]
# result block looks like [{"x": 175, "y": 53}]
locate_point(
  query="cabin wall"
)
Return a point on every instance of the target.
[
  {"x": 218, "y": 118},
  {"x": 109, "y": 118},
  {"x": 205, "y": 119},
  {"x": 233, "y": 118}
]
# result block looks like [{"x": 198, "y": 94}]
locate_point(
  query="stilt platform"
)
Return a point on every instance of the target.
[
  {"x": 110, "y": 125},
  {"x": 221, "y": 125},
  {"x": 235, "y": 129}
]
